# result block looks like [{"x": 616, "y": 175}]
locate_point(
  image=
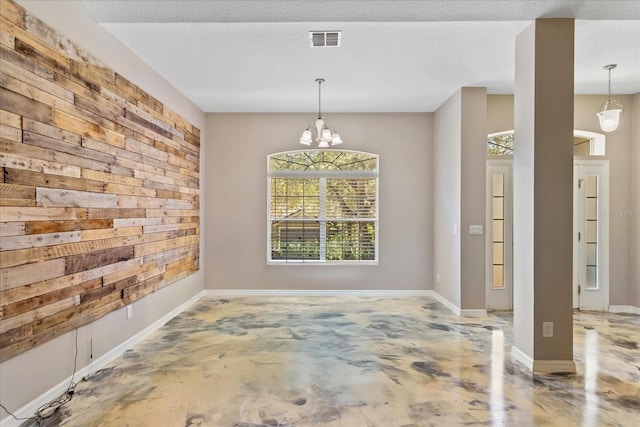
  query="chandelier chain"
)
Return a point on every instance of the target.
[{"x": 320, "y": 98}]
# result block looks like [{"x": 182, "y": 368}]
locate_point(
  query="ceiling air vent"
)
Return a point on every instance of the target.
[{"x": 325, "y": 38}]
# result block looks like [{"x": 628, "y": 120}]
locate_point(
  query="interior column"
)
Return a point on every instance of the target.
[{"x": 542, "y": 197}]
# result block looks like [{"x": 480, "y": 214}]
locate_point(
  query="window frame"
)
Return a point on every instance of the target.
[{"x": 323, "y": 174}]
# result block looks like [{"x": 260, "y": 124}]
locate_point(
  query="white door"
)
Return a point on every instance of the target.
[
  {"x": 591, "y": 235},
  {"x": 499, "y": 277}
]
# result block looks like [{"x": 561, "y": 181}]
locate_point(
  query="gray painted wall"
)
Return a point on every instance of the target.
[
  {"x": 32, "y": 373},
  {"x": 634, "y": 113},
  {"x": 473, "y": 198},
  {"x": 236, "y": 158},
  {"x": 447, "y": 162}
]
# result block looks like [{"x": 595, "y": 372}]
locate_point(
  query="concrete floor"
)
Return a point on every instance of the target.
[{"x": 356, "y": 361}]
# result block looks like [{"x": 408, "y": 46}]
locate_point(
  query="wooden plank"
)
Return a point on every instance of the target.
[
  {"x": 110, "y": 177},
  {"x": 83, "y": 127},
  {"x": 114, "y": 214},
  {"x": 124, "y": 274},
  {"x": 10, "y": 119},
  {"x": 152, "y": 213},
  {"x": 109, "y": 233},
  {"x": 137, "y": 95},
  {"x": 169, "y": 227},
  {"x": 93, "y": 73},
  {"x": 42, "y": 47},
  {"x": 8, "y": 214},
  {"x": 23, "y": 106},
  {"x": 10, "y": 133},
  {"x": 125, "y": 201},
  {"x": 36, "y": 179},
  {"x": 13, "y": 277},
  {"x": 42, "y": 300},
  {"x": 7, "y": 40},
  {"x": 17, "y": 191},
  {"x": 130, "y": 190},
  {"x": 104, "y": 147},
  {"x": 13, "y": 13},
  {"x": 38, "y": 240},
  {"x": 44, "y": 336},
  {"x": 13, "y": 161},
  {"x": 97, "y": 160},
  {"x": 157, "y": 119},
  {"x": 135, "y": 222},
  {"x": 74, "y": 264},
  {"x": 42, "y": 227},
  {"x": 147, "y": 124},
  {"x": 34, "y": 289},
  {"x": 12, "y": 228},
  {"x": 51, "y": 197},
  {"x": 17, "y": 202},
  {"x": 35, "y": 81},
  {"x": 161, "y": 246},
  {"x": 35, "y": 127},
  {"x": 145, "y": 150}
]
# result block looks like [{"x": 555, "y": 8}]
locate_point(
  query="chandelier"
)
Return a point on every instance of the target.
[
  {"x": 319, "y": 131},
  {"x": 609, "y": 114}
]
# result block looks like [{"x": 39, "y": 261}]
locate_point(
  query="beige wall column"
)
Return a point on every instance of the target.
[
  {"x": 543, "y": 208},
  {"x": 635, "y": 202},
  {"x": 472, "y": 207}
]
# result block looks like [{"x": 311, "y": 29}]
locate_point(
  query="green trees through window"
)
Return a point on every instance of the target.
[{"x": 323, "y": 206}]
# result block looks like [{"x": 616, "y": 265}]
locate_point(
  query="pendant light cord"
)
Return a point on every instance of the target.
[
  {"x": 320, "y": 97},
  {"x": 609, "y": 99}
]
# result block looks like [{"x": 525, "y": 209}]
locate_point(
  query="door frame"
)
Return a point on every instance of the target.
[
  {"x": 582, "y": 297},
  {"x": 501, "y": 298}
]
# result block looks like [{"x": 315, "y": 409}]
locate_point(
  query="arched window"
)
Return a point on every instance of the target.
[
  {"x": 584, "y": 143},
  {"x": 322, "y": 207},
  {"x": 500, "y": 144}
]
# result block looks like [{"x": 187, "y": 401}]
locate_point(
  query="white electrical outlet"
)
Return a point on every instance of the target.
[
  {"x": 437, "y": 277},
  {"x": 455, "y": 229},
  {"x": 547, "y": 329},
  {"x": 129, "y": 311}
]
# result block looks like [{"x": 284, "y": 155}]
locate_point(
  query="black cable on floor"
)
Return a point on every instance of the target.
[{"x": 48, "y": 409}]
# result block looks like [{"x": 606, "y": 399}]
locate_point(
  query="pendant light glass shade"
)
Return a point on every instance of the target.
[{"x": 609, "y": 119}]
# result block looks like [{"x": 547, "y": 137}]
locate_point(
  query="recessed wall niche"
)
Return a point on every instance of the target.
[{"x": 99, "y": 198}]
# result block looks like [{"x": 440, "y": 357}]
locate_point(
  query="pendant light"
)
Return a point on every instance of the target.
[
  {"x": 609, "y": 114},
  {"x": 319, "y": 131}
]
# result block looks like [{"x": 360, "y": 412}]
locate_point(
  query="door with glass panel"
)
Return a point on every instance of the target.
[
  {"x": 499, "y": 280},
  {"x": 591, "y": 234}
]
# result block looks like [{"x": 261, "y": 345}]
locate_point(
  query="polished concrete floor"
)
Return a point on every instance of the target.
[{"x": 357, "y": 361}]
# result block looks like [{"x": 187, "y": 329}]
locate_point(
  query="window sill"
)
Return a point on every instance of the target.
[{"x": 324, "y": 263}]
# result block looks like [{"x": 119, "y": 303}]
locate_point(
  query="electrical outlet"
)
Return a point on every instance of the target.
[
  {"x": 129, "y": 311},
  {"x": 437, "y": 277},
  {"x": 547, "y": 329}
]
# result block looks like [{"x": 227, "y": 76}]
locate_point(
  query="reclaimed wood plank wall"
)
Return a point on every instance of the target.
[{"x": 99, "y": 198}]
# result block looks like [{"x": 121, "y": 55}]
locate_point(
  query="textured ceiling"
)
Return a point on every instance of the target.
[{"x": 396, "y": 56}]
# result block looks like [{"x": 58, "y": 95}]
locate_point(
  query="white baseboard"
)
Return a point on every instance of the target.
[
  {"x": 462, "y": 312},
  {"x": 312, "y": 293},
  {"x": 624, "y": 309},
  {"x": 30, "y": 408},
  {"x": 442, "y": 300},
  {"x": 543, "y": 366},
  {"x": 520, "y": 357},
  {"x": 473, "y": 312}
]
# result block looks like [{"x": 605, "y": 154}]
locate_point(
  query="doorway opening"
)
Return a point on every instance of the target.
[{"x": 590, "y": 223}]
